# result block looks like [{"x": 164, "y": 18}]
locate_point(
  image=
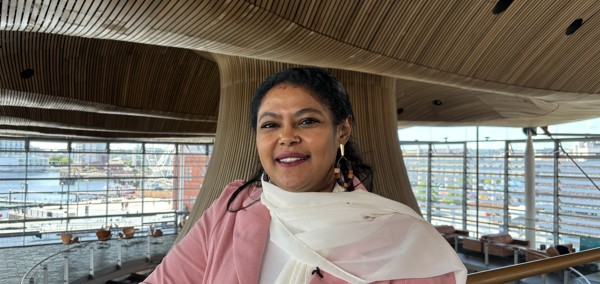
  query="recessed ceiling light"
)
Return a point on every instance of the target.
[
  {"x": 436, "y": 102},
  {"x": 574, "y": 26},
  {"x": 501, "y": 6},
  {"x": 27, "y": 73}
]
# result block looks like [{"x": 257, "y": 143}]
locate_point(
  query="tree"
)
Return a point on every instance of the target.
[
  {"x": 64, "y": 161},
  {"x": 59, "y": 160}
]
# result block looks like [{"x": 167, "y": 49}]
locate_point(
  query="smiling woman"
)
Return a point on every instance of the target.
[
  {"x": 306, "y": 216},
  {"x": 305, "y": 109},
  {"x": 297, "y": 140}
]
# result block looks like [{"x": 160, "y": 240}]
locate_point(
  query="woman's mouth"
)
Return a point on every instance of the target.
[{"x": 290, "y": 160}]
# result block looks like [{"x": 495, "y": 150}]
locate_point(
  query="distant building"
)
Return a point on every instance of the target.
[
  {"x": 8, "y": 161},
  {"x": 191, "y": 171},
  {"x": 587, "y": 148}
]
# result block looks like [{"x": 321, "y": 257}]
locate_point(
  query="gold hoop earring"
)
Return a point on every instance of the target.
[{"x": 343, "y": 170}]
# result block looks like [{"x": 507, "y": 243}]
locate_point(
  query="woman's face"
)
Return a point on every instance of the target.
[{"x": 297, "y": 140}]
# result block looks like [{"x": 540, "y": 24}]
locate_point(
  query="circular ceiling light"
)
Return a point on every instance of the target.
[
  {"x": 574, "y": 26},
  {"x": 27, "y": 73},
  {"x": 501, "y": 6}
]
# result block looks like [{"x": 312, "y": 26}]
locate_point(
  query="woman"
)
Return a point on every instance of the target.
[{"x": 306, "y": 216}]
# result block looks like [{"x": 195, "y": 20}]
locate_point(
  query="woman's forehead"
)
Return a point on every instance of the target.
[{"x": 291, "y": 96}]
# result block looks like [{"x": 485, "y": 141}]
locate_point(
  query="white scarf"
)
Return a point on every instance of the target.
[{"x": 359, "y": 237}]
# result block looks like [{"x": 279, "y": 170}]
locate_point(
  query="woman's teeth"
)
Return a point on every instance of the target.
[{"x": 289, "y": 160}]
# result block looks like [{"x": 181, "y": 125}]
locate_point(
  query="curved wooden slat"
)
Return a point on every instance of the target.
[
  {"x": 234, "y": 154},
  {"x": 373, "y": 100},
  {"x": 124, "y": 81},
  {"x": 452, "y": 50}
]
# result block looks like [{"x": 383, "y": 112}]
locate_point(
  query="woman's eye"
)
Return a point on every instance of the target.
[
  {"x": 268, "y": 125},
  {"x": 308, "y": 121}
]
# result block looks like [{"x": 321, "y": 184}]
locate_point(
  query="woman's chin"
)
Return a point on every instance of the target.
[
  {"x": 300, "y": 186},
  {"x": 291, "y": 186}
]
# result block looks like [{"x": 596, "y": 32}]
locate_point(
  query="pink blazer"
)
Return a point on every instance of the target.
[{"x": 225, "y": 247}]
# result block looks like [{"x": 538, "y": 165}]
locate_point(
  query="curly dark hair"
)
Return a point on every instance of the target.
[{"x": 331, "y": 93}]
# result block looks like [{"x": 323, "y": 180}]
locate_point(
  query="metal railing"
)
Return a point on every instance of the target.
[
  {"x": 169, "y": 222},
  {"x": 104, "y": 258},
  {"x": 482, "y": 187},
  {"x": 534, "y": 268},
  {"x": 44, "y": 265},
  {"x": 498, "y": 275}
]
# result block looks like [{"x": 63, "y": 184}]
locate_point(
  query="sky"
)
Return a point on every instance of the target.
[{"x": 461, "y": 133}]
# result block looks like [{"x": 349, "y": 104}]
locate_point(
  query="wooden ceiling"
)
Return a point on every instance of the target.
[{"x": 144, "y": 69}]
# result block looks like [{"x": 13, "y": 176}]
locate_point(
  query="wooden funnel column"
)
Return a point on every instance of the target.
[{"x": 235, "y": 157}]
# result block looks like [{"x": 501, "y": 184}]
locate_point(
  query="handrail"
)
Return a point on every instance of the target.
[
  {"x": 532, "y": 268},
  {"x": 174, "y": 226},
  {"x": 69, "y": 249}
]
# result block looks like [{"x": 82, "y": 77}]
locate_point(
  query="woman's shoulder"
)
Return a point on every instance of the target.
[
  {"x": 219, "y": 206},
  {"x": 233, "y": 185},
  {"x": 241, "y": 198},
  {"x": 236, "y": 184}
]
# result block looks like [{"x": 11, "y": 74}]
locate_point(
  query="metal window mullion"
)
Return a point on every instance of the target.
[
  {"x": 178, "y": 189},
  {"x": 69, "y": 152},
  {"x": 429, "y": 197},
  {"x": 477, "y": 183},
  {"x": 143, "y": 180},
  {"x": 555, "y": 225},
  {"x": 464, "y": 187},
  {"x": 505, "y": 210},
  {"x": 176, "y": 181},
  {"x": 25, "y": 187},
  {"x": 181, "y": 182},
  {"x": 108, "y": 152}
]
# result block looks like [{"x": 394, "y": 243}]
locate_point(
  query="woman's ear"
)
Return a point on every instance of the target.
[{"x": 344, "y": 129}]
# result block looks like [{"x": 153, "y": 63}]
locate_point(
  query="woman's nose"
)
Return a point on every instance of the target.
[{"x": 288, "y": 136}]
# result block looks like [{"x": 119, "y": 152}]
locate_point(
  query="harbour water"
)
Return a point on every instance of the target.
[
  {"x": 44, "y": 188},
  {"x": 85, "y": 200}
]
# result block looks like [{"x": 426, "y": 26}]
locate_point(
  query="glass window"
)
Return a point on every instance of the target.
[
  {"x": 50, "y": 187},
  {"x": 494, "y": 180}
]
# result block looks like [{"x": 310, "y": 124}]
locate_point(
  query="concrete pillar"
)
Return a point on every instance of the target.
[{"x": 530, "y": 190}]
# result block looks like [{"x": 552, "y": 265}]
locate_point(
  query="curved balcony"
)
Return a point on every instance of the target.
[{"x": 91, "y": 262}]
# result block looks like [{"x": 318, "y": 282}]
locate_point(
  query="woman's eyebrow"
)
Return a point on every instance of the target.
[
  {"x": 298, "y": 113},
  {"x": 307, "y": 110},
  {"x": 269, "y": 114}
]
